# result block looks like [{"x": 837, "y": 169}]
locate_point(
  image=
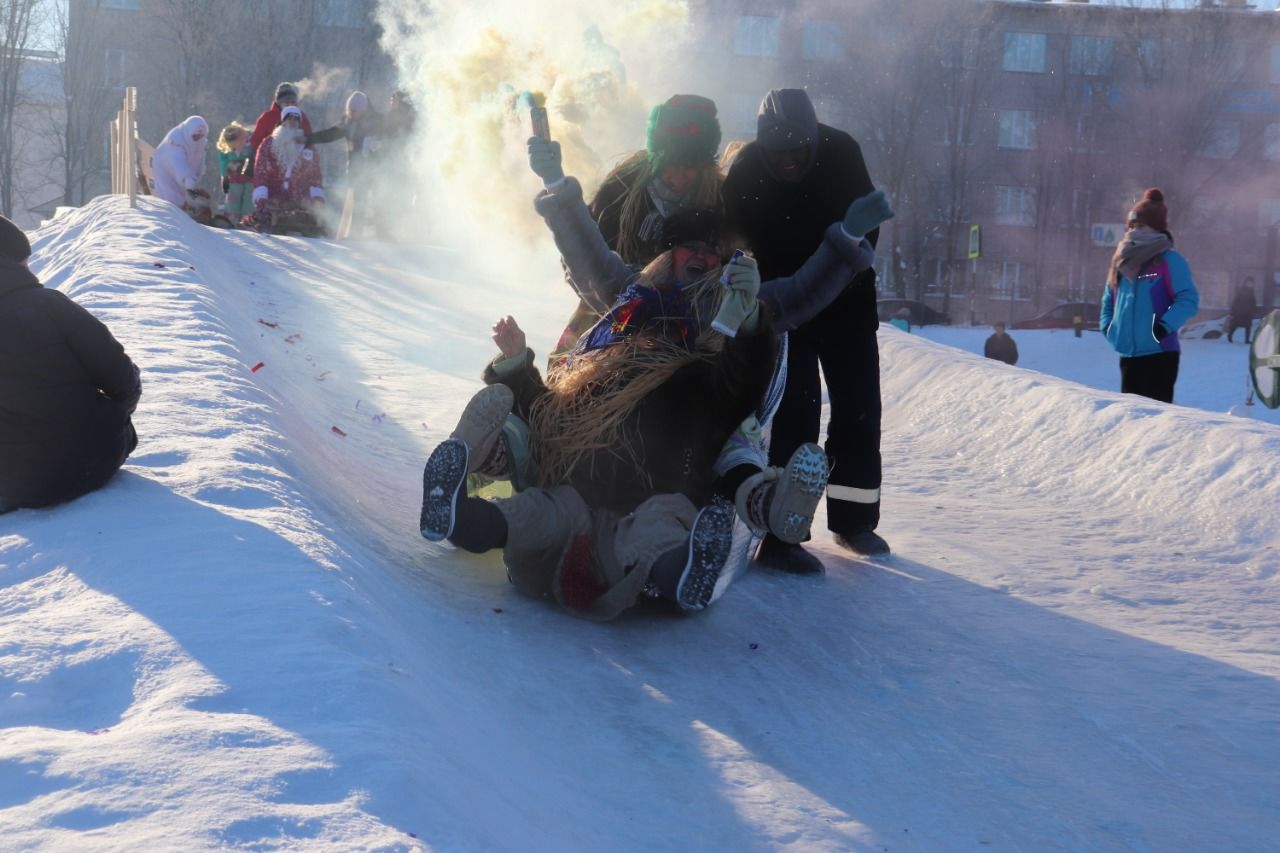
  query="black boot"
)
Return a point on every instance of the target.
[
  {"x": 864, "y": 543},
  {"x": 785, "y": 557}
]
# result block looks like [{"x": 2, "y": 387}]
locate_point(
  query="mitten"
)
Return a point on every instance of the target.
[
  {"x": 739, "y": 309},
  {"x": 544, "y": 160},
  {"x": 866, "y": 214}
]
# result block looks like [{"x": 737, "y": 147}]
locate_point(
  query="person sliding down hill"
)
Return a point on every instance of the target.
[
  {"x": 624, "y": 436},
  {"x": 286, "y": 172}
]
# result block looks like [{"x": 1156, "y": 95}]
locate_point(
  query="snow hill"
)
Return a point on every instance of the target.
[{"x": 243, "y": 642}]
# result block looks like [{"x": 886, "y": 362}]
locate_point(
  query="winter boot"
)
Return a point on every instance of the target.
[
  {"x": 864, "y": 543},
  {"x": 473, "y": 446},
  {"x": 782, "y": 501},
  {"x": 787, "y": 557},
  {"x": 688, "y": 574}
]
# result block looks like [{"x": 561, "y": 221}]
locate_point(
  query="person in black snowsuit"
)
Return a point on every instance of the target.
[
  {"x": 782, "y": 193},
  {"x": 1244, "y": 307},
  {"x": 67, "y": 390},
  {"x": 1001, "y": 346}
]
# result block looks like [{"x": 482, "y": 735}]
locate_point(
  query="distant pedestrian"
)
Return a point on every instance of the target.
[
  {"x": 1000, "y": 346},
  {"x": 1244, "y": 307},
  {"x": 67, "y": 389},
  {"x": 901, "y": 319},
  {"x": 1148, "y": 296}
]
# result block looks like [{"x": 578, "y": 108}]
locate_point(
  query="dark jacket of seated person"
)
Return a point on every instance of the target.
[{"x": 67, "y": 389}]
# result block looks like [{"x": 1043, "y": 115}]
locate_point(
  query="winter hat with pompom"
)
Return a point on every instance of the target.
[
  {"x": 1151, "y": 211},
  {"x": 683, "y": 131},
  {"x": 14, "y": 245}
]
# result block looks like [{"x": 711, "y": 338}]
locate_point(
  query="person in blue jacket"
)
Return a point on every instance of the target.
[{"x": 1149, "y": 295}]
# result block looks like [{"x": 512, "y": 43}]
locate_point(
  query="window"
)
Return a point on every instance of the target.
[
  {"x": 756, "y": 36},
  {"x": 822, "y": 40},
  {"x": 960, "y": 122},
  {"x": 1008, "y": 285},
  {"x": 1089, "y": 135},
  {"x": 113, "y": 78},
  {"x": 1150, "y": 58},
  {"x": 1090, "y": 55},
  {"x": 941, "y": 201},
  {"x": 1017, "y": 129},
  {"x": 1271, "y": 142},
  {"x": 340, "y": 13},
  {"x": 960, "y": 53},
  {"x": 1223, "y": 141},
  {"x": 130, "y": 5},
  {"x": 1024, "y": 51},
  {"x": 1015, "y": 206}
]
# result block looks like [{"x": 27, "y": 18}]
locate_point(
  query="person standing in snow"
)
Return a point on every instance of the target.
[
  {"x": 285, "y": 171},
  {"x": 233, "y": 156},
  {"x": 178, "y": 165},
  {"x": 1244, "y": 308},
  {"x": 67, "y": 389},
  {"x": 360, "y": 127},
  {"x": 269, "y": 119},
  {"x": 1001, "y": 346},
  {"x": 782, "y": 194},
  {"x": 1148, "y": 296},
  {"x": 676, "y": 171}
]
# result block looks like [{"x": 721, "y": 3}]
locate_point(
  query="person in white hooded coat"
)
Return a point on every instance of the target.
[{"x": 178, "y": 163}]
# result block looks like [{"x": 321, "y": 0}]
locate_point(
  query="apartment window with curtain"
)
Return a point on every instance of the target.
[
  {"x": 1090, "y": 55},
  {"x": 1015, "y": 206},
  {"x": 1025, "y": 52},
  {"x": 756, "y": 35},
  {"x": 1017, "y": 130}
]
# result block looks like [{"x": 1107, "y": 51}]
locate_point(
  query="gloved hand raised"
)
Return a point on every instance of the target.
[
  {"x": 739, "y": 309},
  {"x": 544, "y": 160},
  {"x": 866, "y": 214}
]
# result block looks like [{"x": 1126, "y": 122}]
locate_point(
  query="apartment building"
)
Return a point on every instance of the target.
[{"x": 1037, "y": 122}]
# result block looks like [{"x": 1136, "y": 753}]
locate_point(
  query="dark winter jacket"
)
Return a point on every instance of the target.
[
  {"x": 785, "y": 223},
  {"x": 681, "y": 426},
  {"x": 1244, "y": 306},
  {"x": 362, "y": 133},
  {"x": 606, "y": 209},
  {"x": 599, "y": 275},
  {"x": 1001, "y": 348},
  {"x": 67, "y": 390}
]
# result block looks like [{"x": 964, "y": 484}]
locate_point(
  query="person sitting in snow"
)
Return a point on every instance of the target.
[
  {"x": 360, "y": 127},
  {"x": 67, "y": 389},
  {"x": 285, "y": 171},
  {"x": 178, "y": 164},
  {"x": 234, "y": 153},
  {"x": 675, "y": 171},
  {"x": 270, "y": 118}
]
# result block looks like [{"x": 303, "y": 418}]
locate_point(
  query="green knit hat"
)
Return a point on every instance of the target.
[{"x": 683, "y": 131}]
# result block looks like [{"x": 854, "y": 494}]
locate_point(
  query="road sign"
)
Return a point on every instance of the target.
[
  {"x": 975, "y": 242},
  {"x": 1107, "y": 233}
]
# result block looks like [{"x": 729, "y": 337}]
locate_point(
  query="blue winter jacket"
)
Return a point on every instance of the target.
[{"x": 1164, "y": 290}]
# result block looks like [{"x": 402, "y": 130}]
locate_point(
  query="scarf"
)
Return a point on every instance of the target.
[{"x": 1138, "y": 246}]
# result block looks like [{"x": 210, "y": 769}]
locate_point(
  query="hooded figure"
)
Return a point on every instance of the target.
[
  {"x": 1148, "y": 296},
  {"x": 782, "y": 193},
  {"x": 178, "y": 163},
  {"x": 67, "y": 389}
]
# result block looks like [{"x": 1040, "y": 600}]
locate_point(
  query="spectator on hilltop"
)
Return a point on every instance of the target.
[{"x": 67, "y": 389}]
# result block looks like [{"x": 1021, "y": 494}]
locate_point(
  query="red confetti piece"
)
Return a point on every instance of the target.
[
  {"x": 337, "y": 431},
  {"x": 293, "y": 339},
  {"x": 257, "y": 367},
  {"x": 268, "y": 324},
  {"x": 321, "y": 377},
  {"x": 158, "y": 265}
]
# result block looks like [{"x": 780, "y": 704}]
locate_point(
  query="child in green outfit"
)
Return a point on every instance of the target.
[{"x": 233, "y": 154}]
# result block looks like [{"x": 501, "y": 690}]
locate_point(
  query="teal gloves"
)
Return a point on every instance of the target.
[
  {"x": 544, "y": 160},
  {"x": 739, "y": 310},
  {"x": 866, "y": 214}
]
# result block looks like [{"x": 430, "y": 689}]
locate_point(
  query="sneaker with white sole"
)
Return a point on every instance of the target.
[{"x": 473, "y": 446}]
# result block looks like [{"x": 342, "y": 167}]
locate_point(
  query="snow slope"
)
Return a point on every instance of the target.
[{"x": 243, "y": 642}]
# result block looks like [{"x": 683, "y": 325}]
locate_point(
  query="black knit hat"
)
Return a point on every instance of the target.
[
  {"x": 286, "y": 88},
  {"x": 683, "y": 131},
  {"x": 697, "y": 225},
  {"x": 14, "y": 245}
]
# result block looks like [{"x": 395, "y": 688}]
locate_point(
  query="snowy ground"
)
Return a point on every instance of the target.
[{"x": 243, "y": 642}]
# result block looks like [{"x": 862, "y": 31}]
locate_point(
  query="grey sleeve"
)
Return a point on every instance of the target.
[
  {"x": 596, "y": 272},
  {"x": 798, "y": 298}
]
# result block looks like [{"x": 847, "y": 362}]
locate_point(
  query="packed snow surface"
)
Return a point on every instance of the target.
[{"x": 243, "y": 642}]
